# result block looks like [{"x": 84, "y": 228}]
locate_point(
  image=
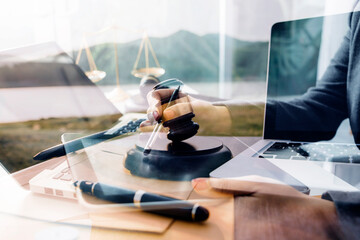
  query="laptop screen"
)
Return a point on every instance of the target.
[{"x": 299, "y": 54}]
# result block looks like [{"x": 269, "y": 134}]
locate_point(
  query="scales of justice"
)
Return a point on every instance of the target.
[
  {"x": 171, "y": 151},
  {"x": 147, "y": 74}
]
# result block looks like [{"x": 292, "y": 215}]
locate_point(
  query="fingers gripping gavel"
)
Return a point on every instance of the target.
[{"x": 181, "y": 127}]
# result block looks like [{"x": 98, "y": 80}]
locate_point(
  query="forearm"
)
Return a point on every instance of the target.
[{"x": 246, "y": 118}]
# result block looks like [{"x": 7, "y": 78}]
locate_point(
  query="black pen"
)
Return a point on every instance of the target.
[
  {"x": 77, "y": 144},
  {"x": 149, "y": 202}
]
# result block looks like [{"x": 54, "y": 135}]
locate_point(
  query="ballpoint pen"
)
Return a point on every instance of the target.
[
  {"x": 149, "y": 202},
  {"x": 77, "y": 144},
  {"x": 158, "y": 126}
]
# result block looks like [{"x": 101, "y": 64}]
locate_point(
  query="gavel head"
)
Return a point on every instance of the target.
[{"x": 181, "y": 127}]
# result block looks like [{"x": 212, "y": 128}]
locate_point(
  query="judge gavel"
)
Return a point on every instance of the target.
[{"x": 181, "y": 127}]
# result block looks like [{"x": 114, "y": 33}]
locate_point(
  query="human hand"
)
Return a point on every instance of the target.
[
  {"x": 213, "y": 120},
  {"x": 267, "y": 203},
  {"x": 251, "y": 185}
]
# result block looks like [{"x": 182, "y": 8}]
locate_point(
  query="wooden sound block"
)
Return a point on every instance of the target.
[{"x": 179, "y": 161}]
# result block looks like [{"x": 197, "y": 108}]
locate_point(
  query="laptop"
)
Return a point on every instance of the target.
[
  {"x": 41, "y": 85},
  {"x": 294, "y": 54}
]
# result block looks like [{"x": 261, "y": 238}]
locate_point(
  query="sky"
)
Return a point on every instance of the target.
[{"x": 66, "y": 21}]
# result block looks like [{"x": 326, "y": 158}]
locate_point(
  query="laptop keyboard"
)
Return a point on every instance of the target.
[
  {"x": 55, "y": 182},
  {"x": 326, "y": 152},
  {"x": 64, "y": 174}
]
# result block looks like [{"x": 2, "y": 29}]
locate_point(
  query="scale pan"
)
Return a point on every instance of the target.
[
  {"x": 142, "y": 72},
  {"x": 96, "y": 75}
]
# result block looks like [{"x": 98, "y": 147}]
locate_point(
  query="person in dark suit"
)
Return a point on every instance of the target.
[
  {"x": 334, "y": 98},
  {"x": 323, "y": 107}
]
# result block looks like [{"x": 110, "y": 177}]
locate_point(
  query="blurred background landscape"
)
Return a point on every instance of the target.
[
  {"x": 183, "y": 55},
  {"x": 20, "y": 141}
]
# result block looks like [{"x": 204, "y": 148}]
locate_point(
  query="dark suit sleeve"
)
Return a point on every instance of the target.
[
  {"x": 348, "y": 210},
  {"x": 317, "y": 114}
]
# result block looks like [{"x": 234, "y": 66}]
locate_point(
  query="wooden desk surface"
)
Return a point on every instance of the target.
[{"x": 253, "y": 220}]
